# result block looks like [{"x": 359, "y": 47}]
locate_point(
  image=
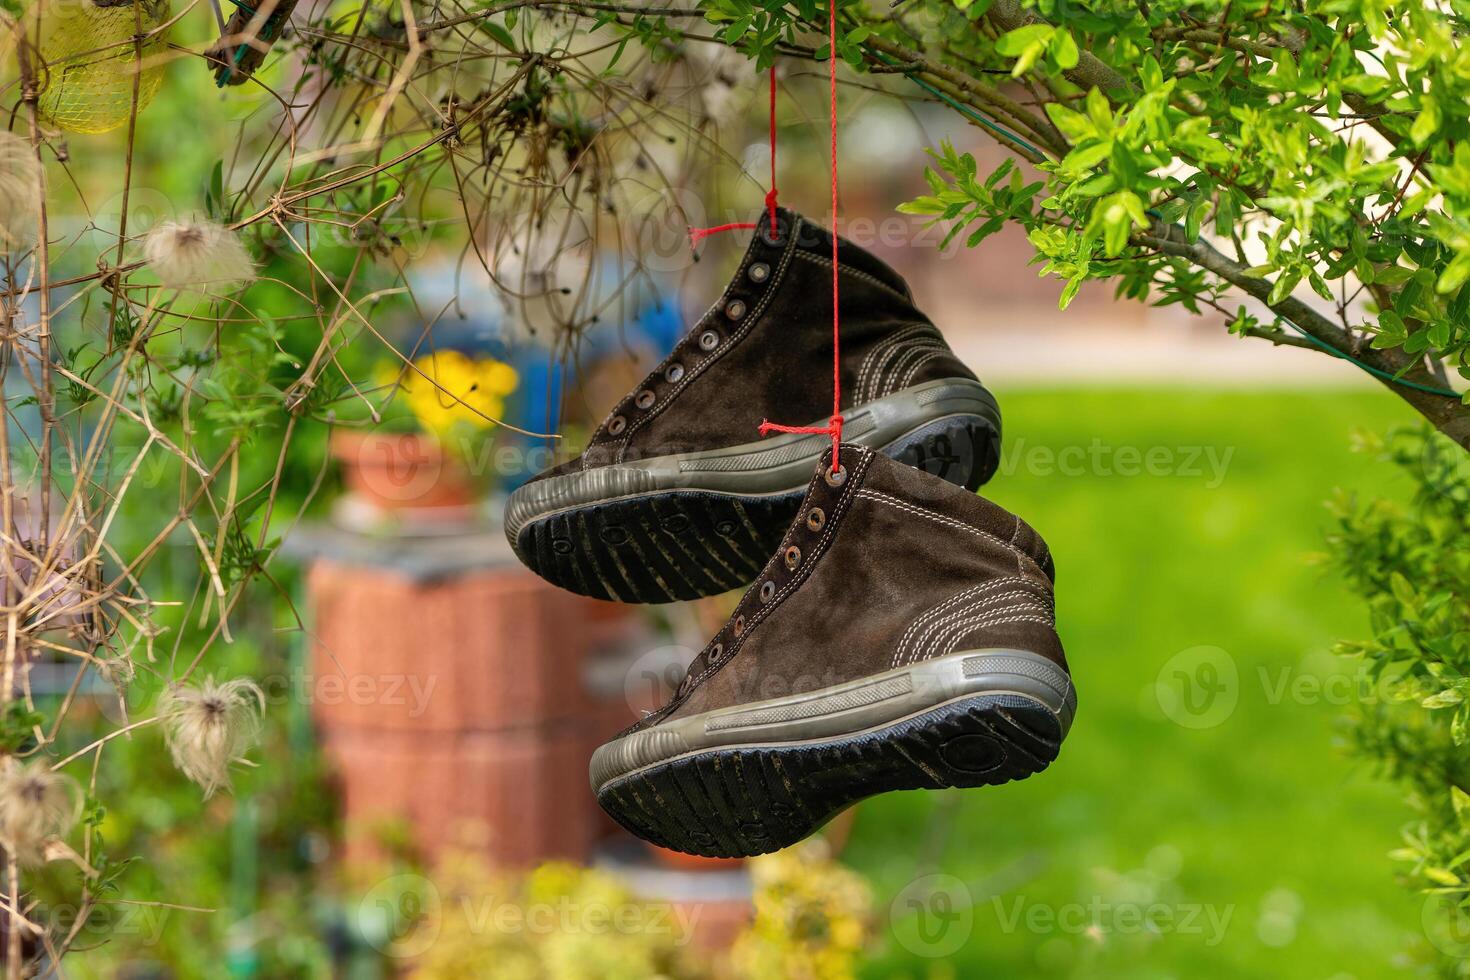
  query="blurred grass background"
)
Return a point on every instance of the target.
[{"x": 1260, "y": 826}]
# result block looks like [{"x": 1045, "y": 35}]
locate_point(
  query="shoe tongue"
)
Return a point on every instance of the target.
[{"x": 823, "y": 491}]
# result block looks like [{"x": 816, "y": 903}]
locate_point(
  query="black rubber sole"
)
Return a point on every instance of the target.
[
  {"x": 743, "y": 801},
  {"x": 673, "y": 545}
]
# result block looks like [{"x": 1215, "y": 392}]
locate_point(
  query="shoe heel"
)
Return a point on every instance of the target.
[
  {"x": 984, "y": 740},
  {"x": 960, "y": 449}
]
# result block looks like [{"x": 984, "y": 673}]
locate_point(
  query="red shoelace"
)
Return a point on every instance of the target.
[{"x": 696, "y": 235}]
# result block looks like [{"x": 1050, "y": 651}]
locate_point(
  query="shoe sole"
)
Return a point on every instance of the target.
[
  {"x": 756, "y": 778},
  {"x": 698, "y": 524}
]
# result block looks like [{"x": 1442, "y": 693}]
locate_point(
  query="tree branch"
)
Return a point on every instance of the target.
[
  {"x": 1090, "y": 71},
  {"x": 1449, "y": 415}
]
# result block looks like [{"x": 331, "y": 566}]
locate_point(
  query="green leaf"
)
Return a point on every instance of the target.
[
  {"x": 1460, "y": 800},
  {"x": 1097, "y": 186},
  {"x": 1426, "y": 124},
  {"x": 1447, "y": 698},
  {"x": 1064, "y": 50},
  {"x": 1455, "y": 273},
  {"x": 922, "y": 205},
  {"x": 1087, "y": 156},
  {"x": 1285, "y": 283},
  {"x": 500, "y": 34},
  {"x": 1150, "y": 74},
  {"x": 214, "y": 192},
  {"x": 1026, "y": 45},
  {"x": 1073, "y": 124},
  {"x": 1402, "y": 589},
  {"x": 1393, "y": 275},
  {"x": 1442, "y": 876},
  {"x": 1069, "y": 292},
  {"x": 1014, "y": 43},
  {"x": 1099, "y": 110}
]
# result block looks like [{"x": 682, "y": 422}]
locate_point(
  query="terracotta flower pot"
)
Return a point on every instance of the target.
[
  {"x": 679, "y": 861},
  {"x": 403, "y": 471}
]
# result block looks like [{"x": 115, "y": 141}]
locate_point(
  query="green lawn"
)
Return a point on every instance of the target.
[{"x": 1255, "y": 842}]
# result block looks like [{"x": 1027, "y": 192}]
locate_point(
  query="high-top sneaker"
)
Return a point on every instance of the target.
[
  {"x": 677, "y": 496},
  {"x": 901, "y": 638}
]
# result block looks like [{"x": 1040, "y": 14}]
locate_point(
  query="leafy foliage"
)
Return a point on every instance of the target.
[
  {"x": 164, "y": 431},
  {"x": 1412, "y": 566},
  {"x": 1296, "y": 153},
  {"x": 1312, "y": 136}
]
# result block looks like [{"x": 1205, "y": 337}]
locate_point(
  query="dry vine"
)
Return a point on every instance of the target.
[{"x": 152, "y": 402}]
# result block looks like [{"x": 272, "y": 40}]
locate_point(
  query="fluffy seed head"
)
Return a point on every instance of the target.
[
  {"x": 20, "y": 192},
  {"x": 117, "y": 670},
  {"x": 197, "y": 254},
  {"x": 211, "y": 726},
  {"x": 36, "y": 805}
]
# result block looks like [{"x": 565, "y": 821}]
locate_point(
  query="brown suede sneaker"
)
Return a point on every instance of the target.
[
  {"x": 901, "y": 638},
  {"x": 677, "y": 496}
]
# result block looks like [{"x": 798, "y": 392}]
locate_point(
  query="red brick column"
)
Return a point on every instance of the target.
[{"x": 455, "y": 703}]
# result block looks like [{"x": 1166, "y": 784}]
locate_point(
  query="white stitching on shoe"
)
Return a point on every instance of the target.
[
  {"x": 955, "y": 628},
  {"x": 934, "y": 629},
  {"x": 880, "y": 362},
  {"x": 954, "y": 640},
  {"x": 932, "y": 355},
  {"x": 972, "y": 592},
  {"x": 936, "y": 626},
  {"x": 879, "y": 351},
  {"x": 1021, "y": 556},
  {"x": 847, "y": 270},
  {"x": 892, "y": 381}
]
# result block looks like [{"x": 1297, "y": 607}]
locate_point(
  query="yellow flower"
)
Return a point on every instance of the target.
[
  {"x": 447, "y": 388},
  {"x": 812, "y": 918}
]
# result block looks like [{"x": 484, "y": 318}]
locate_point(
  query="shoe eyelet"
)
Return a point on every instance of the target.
[
  {"x": 709, "y": 340},
  {"x": 793, "y": 556},
  {"x": 768, "y": 590},
  {"x": 716, "y": 653},
  {"x": 837, "y": 477},
  {"x": 673, "y": 373},
  {"x": 645, "y": 399},
  {"x": 739, "y": 625},
  {"x": 758, "y": 272},
  {"x": 815, "y": 518},
  {"x": 617, "y": 425},
  {"x": 764, "y": 233},
  {"x": 735, "y": 309}
]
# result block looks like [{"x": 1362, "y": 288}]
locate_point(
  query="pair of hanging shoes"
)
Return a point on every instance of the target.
[{"x": 900, "y": 635}]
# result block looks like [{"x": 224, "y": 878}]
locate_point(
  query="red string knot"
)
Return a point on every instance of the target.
[
  {"x": 697, "y": 235},
  {"x": 833, "y": 428}
]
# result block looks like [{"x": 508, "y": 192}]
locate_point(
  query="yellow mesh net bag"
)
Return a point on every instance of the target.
[{"x": 87, "y": 46}]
